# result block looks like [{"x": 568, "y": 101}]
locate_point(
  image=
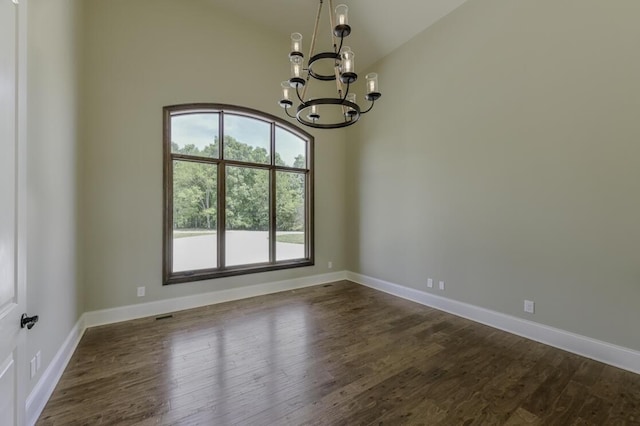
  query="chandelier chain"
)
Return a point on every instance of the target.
[
  {"x": 336, "y": 67},
  {"x": 333, "y": 37},
  {"x": 313, "y": 44}
]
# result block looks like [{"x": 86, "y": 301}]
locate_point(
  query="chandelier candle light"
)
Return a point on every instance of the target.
[{"x": 343, "y": 59}]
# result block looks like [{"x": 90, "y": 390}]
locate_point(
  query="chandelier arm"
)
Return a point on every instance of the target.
[
  {"x": 339, "y": 48},
  {"x": 370, "y": 107},
  {"x": 286, "y": 109},
  {"x": 313, "y": 44},
  {"x": 298, "y": 93},
  {"x": 347, "y": 92}
]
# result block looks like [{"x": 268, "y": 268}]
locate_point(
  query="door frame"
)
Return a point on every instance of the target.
[
  {"x": 13, "y": 348},
  {"x": 22, "y": 379},
  {"x": 21, "y": 204}
]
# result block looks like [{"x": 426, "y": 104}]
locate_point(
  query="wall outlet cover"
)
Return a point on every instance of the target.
[
  {"x": 441, "y": 284},
  {"x": 529, "y": 306},
  {"x": 430, "y": 283}
]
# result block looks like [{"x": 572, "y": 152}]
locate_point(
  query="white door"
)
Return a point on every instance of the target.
[{"x": 12, "y": 188}]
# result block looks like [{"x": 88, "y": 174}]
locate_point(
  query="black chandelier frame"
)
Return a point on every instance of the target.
[{"x": 305, "y": 113}]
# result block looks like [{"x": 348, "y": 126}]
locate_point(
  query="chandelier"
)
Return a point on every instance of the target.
[{"x": 314, "y": 112}]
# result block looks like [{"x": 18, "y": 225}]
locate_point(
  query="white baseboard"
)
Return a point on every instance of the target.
[
  {"x": 125, "y": 313},
  {"x": 42, "y": 391},
  {"x": 617, "y": 356}
]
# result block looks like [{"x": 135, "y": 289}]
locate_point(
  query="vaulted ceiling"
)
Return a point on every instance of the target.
[{"x": 378, "y": 27}]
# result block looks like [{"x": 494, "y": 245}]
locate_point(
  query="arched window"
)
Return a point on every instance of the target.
[{"x": 238, "y": 193}]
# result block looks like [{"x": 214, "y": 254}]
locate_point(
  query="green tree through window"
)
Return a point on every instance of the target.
[{"x": 240, "y": 206}]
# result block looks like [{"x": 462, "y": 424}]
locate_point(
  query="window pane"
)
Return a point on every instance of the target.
[
  {"x": 290, "y": 217},
  {"x": 247, "y": 139},
  {"x": 247, "y": 216},
  {"x": 195, "y": 134},
  {"x": 290, "y": 149},
  {"x": 194, "y": 216}
]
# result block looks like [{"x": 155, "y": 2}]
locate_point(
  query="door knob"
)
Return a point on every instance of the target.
[{"x": 28, "y": 321}]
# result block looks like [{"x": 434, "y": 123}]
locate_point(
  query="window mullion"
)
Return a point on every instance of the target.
[
  {"x": 309, "y": 203},
  {"x": 272, "y": 198},
  {"x": 222, "y": 196}
]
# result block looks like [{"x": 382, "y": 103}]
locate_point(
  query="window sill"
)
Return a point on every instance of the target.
[{"x": 208, "y": 274}]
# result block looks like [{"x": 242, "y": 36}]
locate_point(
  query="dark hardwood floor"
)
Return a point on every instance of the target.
[{"x": 339, "y": 354}]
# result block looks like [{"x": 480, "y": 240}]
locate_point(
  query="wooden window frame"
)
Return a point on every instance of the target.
[{"x": 171, "y": 277}]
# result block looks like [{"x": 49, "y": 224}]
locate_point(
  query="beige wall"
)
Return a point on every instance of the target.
[
  {"x": 504, "y": 158},
  {"x": 144, "y": 54},
  {"x": 53, "y": 290}
]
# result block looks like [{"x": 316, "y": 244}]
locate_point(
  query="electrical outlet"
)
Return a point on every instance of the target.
[
  {"x": 529, "y": 306},
  {"x": 38, "y": 361},
  {"x": 430, "y": 282},
  {"x": 441, "y": 284},
  {"x": 330, "y": 265},
  {"x": 141, "y": 291}
]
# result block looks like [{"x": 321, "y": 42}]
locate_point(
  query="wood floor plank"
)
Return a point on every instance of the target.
[
  {"x": 543, "y": 399},
  {"x": 523, "y": 417},
  {"x": 336, "y": 354},
  {"x": 594, "y": 411}
]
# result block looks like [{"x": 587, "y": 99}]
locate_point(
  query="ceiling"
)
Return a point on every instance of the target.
[{"x": 377, "y": 27}]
